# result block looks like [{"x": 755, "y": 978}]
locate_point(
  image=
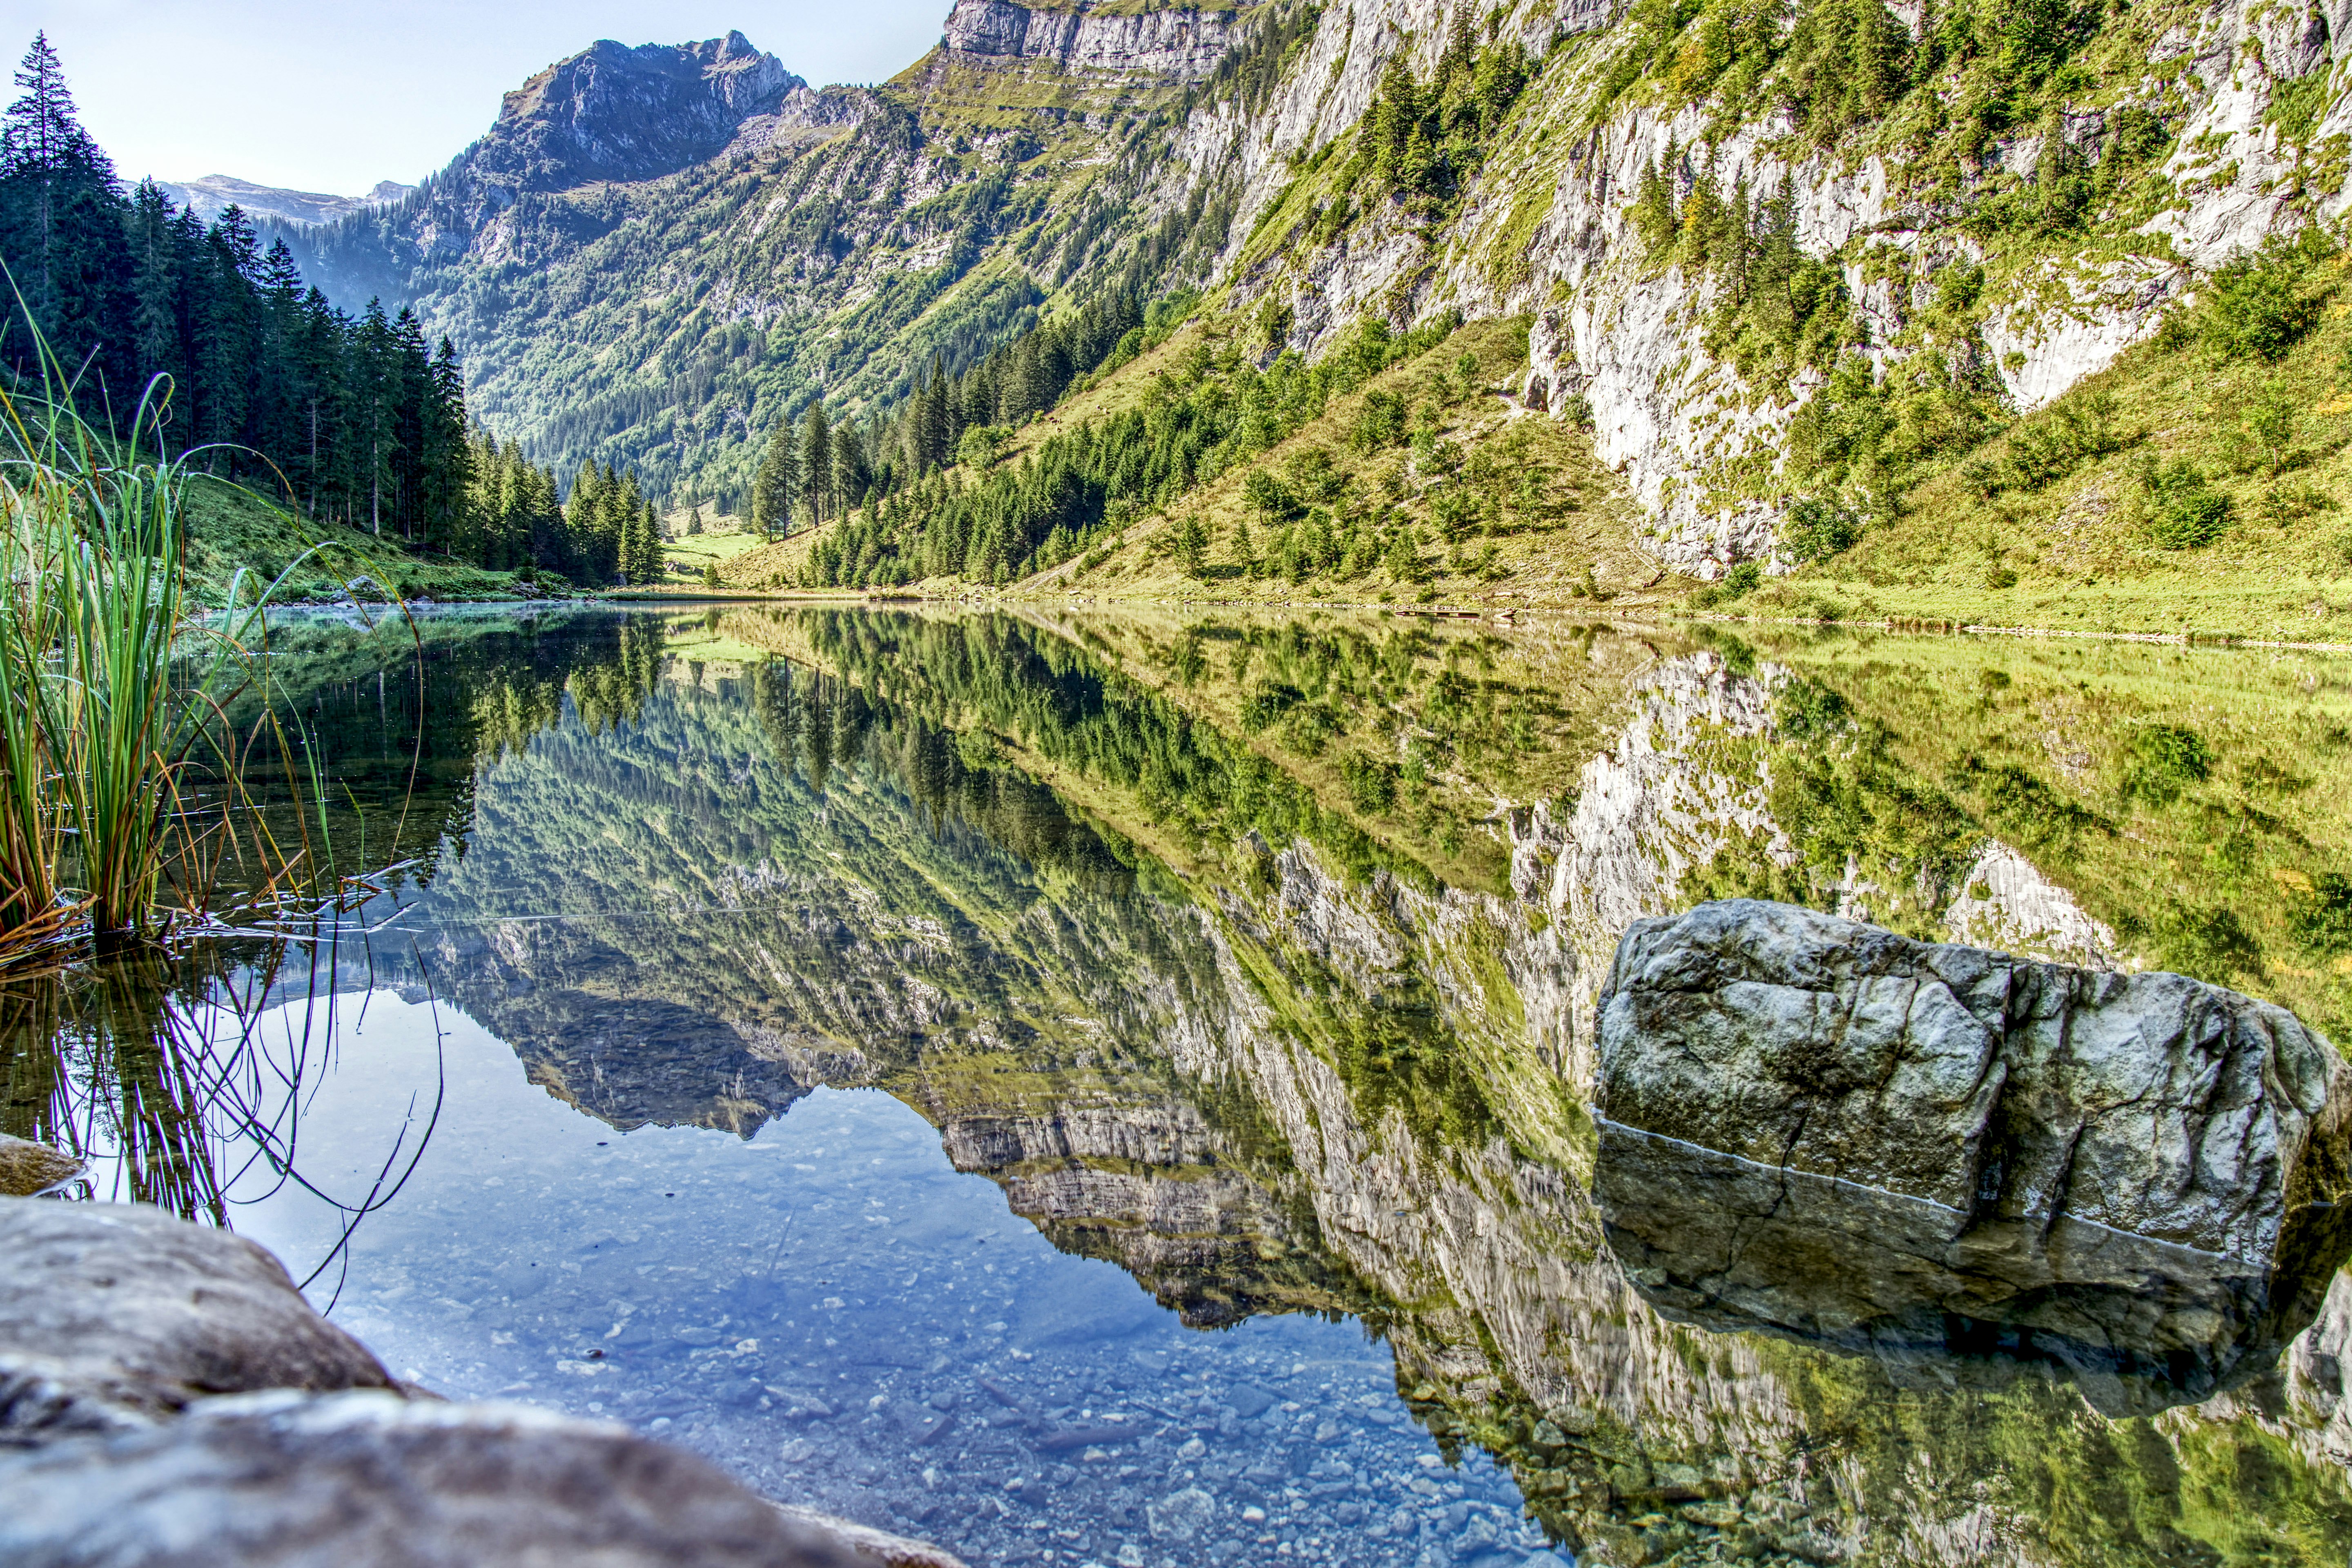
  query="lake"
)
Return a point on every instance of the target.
[{"x": 1093, "y": 1088}]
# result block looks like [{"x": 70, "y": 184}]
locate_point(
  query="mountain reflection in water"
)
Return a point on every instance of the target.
[{"x": 1254, "y": 958}]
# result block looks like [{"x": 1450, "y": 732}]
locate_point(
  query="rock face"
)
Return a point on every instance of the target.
[
  {"x": 1817, "y": 1125},
  {"x": 363, "y": 1478},
  {"x": 611, "y": 112},
  {"x": 1181, "y": 44},
  {"x": 115, "y": 1316}
]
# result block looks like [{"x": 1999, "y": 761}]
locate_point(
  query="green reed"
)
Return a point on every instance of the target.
[{"x": 113, "y": 681}]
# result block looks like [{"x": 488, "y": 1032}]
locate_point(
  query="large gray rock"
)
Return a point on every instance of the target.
[
  {"x": 116, "y": 1315},
  {"x": 363, "y": 1479},
  {"x": 1818, "y": 1126},
  {"x": 172, "y": 1398}
]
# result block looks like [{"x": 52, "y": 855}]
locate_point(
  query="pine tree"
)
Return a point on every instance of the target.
[
  {"x": 816, "y": 462},
  {"x": 774, "y": 486}
]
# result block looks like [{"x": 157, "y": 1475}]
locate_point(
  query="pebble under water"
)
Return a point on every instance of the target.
[{"x": 834, "y": 1313}]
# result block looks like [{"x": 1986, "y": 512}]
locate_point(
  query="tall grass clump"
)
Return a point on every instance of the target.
[{"x": 112, "y": 678}]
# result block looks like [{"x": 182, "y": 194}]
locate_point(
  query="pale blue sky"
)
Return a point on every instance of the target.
[{"x": 334, "y": 95}]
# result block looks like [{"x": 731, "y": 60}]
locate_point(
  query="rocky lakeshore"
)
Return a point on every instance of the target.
[
  {"x": 1815, "y": 1126},
  {"x": 167, "y": 1396}
]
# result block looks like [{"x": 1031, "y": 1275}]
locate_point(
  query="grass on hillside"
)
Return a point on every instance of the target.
[
  {"x": 1567, "y": 537},
  {"x": 2273, "y": 441},
  {"x": 233, "y": 527}
]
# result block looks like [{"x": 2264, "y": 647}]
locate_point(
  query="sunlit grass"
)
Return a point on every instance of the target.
[{"x": 123, "y": 774}]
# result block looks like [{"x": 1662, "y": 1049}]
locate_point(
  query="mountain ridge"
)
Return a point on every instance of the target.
[
  {"x": 213, "y": 195},
  {"x": 1971, "y": 214}
]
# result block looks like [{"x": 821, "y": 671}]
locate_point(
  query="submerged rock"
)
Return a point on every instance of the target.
[
  {"x": 1817, "y": 1126},
  {"x": 27, "y": 1168}
]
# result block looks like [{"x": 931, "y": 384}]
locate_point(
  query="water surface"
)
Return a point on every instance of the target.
[{"x": 1111, "y": 1091}]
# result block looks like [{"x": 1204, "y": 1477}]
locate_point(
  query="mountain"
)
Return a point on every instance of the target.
[
  {"x": 215, "y": 194},
  {"x": 1817, "y": 285}
]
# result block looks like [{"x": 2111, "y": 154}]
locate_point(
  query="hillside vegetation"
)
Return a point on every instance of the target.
[{"x": 2014, "y": 314}]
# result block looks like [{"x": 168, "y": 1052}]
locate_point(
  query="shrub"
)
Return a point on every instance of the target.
[
  {"x": 2045, "y": 451},
  {"x": 2296, "y": 106},
  {"x": 1372, "y": 782},
  {"x": 1742, "y": 580},
  {"x": 2184, "y": 512},
  {"x": 2255, "y": 306},
  {"x": 2322, "y": 919},
  {"x": 2283, "y": 504},
  {"x": 1819, "y": 527},
  {"x": 1380, "y": 422},
  {"x": 1268, "y": 702},
  {"x": 2270, "y": 424},
  {"x": 978, "y": 749},
  {"x": 1266, "y": 495},
  {"x": 980, "y": 443},
  {"x": 2161, "y": 761},
  {"x": 1577, "y": 409}
]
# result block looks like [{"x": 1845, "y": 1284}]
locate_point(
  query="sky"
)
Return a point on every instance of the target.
[{"x": 335, "y": 95}]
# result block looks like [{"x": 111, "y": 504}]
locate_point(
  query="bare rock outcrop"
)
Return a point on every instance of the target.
[
  {"x": 1173, "y": 44},
  {"x": 1818, "y": 1126},
  {"x": 611, "y": 112}
]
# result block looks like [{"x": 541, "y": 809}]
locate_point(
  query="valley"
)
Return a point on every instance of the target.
[{"x": 1910, "y": 355}]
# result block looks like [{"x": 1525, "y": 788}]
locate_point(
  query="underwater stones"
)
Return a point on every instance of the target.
[
  {"x": 1181, "y": 1514},
  {"x": 27, "y": 1168},
  {"x": 367, "y": 1478},
  {"x": 118, "y": 1315},
  {"x": 167, "y": 1396},
  {"x": 1820, "y": 1127}
]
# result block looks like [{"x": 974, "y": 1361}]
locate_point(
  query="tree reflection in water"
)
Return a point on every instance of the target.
[{"x": 180, "y": 1076}]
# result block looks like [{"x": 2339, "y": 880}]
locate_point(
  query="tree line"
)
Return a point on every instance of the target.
[
  {"x": 813, "y": 470},
  {"x": 345, "y": 419},
  {"x": 518, "y": 518},
  {"x": 992, "y": 524},
  {"x": 352, "y": 419}
]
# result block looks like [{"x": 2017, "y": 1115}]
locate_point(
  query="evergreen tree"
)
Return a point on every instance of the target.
[
  {"x": 816, "y": 462},
  {"x": 778, "y": 479}
]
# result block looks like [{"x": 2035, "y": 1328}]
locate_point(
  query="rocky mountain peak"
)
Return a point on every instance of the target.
[
  {"x": 215, "y": 194},
  {"x": 613, "y": 112}
]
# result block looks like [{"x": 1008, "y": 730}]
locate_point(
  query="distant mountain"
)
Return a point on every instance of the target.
[
  {"x": 1776, "y": 276},
  {"x": 611, "y": 112},
  {"x": 211, "y": 196}
]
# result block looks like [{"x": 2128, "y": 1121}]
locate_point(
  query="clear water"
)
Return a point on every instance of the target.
[
  {"x": 888, "y": 1055},
  {"x": 830, "y": 1310}
]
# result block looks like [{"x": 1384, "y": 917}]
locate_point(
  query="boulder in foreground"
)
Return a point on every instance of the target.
[
  {"x": 1818, "y": 1126},
  {"x": 115, "y": 1316},
  {"x": 168, "y": 1398},
  {"x": 364, "y": 1479}
]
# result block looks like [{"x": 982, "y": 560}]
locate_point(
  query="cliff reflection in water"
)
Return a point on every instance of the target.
[{"x": 1258, "y": 958}]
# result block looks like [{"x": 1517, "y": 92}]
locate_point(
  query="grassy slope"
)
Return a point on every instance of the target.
[
  {"x": 2081, "y": 549},
  {"x": 237, "y": 527}
]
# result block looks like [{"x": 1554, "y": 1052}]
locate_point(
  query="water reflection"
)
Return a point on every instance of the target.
[{"x": 1250, "y": 963}]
